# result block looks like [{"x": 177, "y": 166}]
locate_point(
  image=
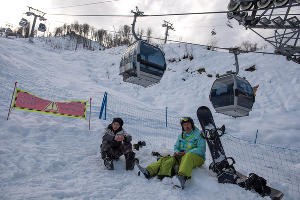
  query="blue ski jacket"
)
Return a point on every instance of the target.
[{"x": 191, "y": 142}]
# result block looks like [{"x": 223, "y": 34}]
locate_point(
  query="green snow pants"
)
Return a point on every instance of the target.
[{"x": 163, "y": 167}]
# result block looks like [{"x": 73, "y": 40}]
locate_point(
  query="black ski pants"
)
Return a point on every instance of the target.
[{"x": 114, "y": 149}]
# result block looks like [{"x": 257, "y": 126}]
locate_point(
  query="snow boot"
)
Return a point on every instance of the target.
[
  {"x": 144, "y": 171},
  {"x": 130, "y": 160},
  {"x": 109, "y": 163},
  {"x": 258, "y": 184},
  {"x": 182, "y": 180}
]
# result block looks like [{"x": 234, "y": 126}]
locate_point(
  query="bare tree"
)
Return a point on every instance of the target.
[
  {"x": 85, "y": 30},
  {"x": 149, "y": 33},
  {"x": 248, "y": 46},
  {"x": 69, "y": 29},
  {"x": 126, "y": 37},
  {"x": 140, "y": 33},
  {"x": 76, "y": 27},
  {"x": 64, "y": 29},
  {"x": 92, "y": 33},
  {"x": 80, "y": 29},
  {"x": 81, "y": 33},
  {"x": 101, "y": 35},
  {"x": 109, "y": 40}
]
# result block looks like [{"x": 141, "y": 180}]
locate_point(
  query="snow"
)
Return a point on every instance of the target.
[{"x": 52, "y": 157}]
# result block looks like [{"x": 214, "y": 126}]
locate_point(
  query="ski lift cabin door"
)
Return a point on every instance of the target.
[
  {"x": 142, "y": 64},
  {"x": 232, "y": 95}
]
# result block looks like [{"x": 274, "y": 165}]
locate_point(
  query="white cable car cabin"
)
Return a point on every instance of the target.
[
  {"x": 232, "y": 95},
  {"x": 23, "y": 22},
  {"x": 8, "y": 30},
  {"x": 42, "y": 27},
  {"x": 142, "y": 64}
]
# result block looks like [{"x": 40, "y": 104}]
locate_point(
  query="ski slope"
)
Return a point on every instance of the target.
[{"x": 53, "y": 157}]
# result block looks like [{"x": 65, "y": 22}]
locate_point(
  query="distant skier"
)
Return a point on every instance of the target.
[
  {"x": 115, "y": 143},
  {"x": 189, "y": 152}
]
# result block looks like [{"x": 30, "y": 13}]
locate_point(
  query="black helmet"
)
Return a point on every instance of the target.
[{"x": 187, "y": 119}]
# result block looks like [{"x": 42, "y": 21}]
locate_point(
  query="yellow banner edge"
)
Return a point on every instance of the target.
[{"x": 48, "y": 113}]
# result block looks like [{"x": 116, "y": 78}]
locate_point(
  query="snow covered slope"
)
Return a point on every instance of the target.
[{"x": 51, "y": 157}]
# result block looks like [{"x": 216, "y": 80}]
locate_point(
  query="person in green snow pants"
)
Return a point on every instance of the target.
[{"x": 189, "y": 152}]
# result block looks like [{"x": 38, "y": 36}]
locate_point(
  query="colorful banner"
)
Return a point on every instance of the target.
[{"x": 26, "y": 101}]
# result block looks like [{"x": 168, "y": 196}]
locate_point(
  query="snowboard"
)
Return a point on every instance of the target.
[{"x": 223, "y": 165}]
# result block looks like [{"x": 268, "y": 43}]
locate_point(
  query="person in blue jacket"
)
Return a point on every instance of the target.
[{"x": 189, "y": 152}]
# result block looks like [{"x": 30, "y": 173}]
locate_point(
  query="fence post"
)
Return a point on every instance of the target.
[
  {"x": 166, "y": 116},
  {"x": 256, "y": 136},
  {"x": 103, "y": 106}
]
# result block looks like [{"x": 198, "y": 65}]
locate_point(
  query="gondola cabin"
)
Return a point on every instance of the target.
[
  {"x": 232, "y": 95},
  {"x": 8, "y": 30},
  {"x": 142, "y": 64},
  {"x": 23, "y": 22},
  {"x": 42, "y": 27}
]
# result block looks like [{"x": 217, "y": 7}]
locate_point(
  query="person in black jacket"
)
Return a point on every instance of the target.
[{"x": 115, "y": 143}]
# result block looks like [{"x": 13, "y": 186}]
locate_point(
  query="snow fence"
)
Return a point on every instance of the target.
[{"x": 160, "y": 129}]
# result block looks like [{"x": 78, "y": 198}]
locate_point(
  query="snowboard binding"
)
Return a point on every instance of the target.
[
  {"x": 222, "y": 166},
  {"x": 256, "y": 183},
  {"x": 226, "y": 172}
]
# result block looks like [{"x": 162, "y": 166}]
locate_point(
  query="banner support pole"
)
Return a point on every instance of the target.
[
  {"x": 90, "y": 113},
  {"x": 9, "y": 110}
]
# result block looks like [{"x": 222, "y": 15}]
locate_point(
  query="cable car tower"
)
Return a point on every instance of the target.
[
  {"x": 277, "y": 15},
  {"x": 142, "y": 63},
  {"x": 230, "y": 94},
  {"x": 40, "y": 15}
]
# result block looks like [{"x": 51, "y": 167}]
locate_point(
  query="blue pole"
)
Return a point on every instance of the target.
[
  {"x": 256, "y": 136},
  {"x": 103, "y": 106}
]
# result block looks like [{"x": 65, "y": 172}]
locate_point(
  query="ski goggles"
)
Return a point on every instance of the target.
[{"x": 185, "y": 119}]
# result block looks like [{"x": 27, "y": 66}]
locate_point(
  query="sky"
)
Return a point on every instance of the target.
[{"x": 188, "y": 28}]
